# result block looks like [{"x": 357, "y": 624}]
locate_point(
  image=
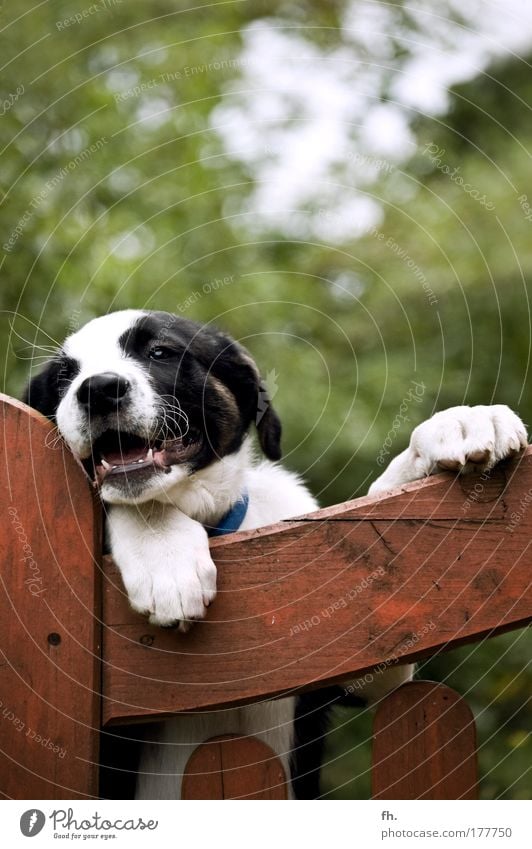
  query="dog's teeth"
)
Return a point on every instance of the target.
[
  {"x": 149, "y": 456},
  {"x": 105, "y": 464}
]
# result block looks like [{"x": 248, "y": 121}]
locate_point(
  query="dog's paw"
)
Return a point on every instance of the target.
[
  {"x": 177, "y": 590},
  {"x": 461, "y": 439}
]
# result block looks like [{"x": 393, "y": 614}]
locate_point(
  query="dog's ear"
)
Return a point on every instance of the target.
[
  {"x": 42, "y": 391},
  {"x": 268, "y": 424},
  {"x": 231, "y": 363}
]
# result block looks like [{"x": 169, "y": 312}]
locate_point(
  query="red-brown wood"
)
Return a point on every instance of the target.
[
  {"x": 232, "y": 767},
  {"x": 317, "y": 600},
  {"x": 49, "y": 616},
  {"x": 307, "y": 602},
  {"x": 424, "y": 745}
]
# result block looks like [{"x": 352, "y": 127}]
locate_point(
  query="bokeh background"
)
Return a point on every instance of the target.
[{"x": 343, "y": 186}]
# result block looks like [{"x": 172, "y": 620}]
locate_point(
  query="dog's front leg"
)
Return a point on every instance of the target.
[
  {"x": 459, "y": 439},
  {"x": 165, "y": 563}
]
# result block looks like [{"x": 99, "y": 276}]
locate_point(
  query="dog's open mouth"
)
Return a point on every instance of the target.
[{"x": 122, "y": 453}]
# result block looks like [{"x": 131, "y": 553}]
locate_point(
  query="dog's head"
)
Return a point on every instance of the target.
[{"x": 145, "y": 399}]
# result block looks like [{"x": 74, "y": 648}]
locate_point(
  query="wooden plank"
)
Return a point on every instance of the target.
[
  {"x": 232, "y": 767},
  {"x": 49, "y": 616},
  {"x": 476, "y": 496},
  {"x": 424, "y": 745},
  {"x": 367, "y": 584},
  {"x": 203, "y": 773}
]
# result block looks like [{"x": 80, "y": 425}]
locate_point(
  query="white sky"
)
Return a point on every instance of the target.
[{"x": 311, "y": 124}]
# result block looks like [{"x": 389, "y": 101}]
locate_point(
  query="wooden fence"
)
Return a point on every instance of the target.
[{"x": 441, "y": 563}]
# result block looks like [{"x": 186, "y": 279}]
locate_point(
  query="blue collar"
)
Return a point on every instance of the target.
[{"x": 232, "y": 520}]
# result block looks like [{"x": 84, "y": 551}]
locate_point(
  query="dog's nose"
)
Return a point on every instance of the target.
[{"x": 103, "y": 393}]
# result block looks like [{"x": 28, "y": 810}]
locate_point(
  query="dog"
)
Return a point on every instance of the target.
[{"x": 159, "y": 411}]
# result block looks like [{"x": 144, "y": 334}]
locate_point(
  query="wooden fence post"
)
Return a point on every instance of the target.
[
  {"x": 390, "y": 579},
  {"x": 232, "y": 767},
  {"x": 424, "y": 745},
  {"x": 49, "y": 616}
]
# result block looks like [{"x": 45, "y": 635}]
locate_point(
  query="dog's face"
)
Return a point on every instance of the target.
[{"x": 145, "y": 399}]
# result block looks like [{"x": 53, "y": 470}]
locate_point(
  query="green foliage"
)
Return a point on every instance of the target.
[{"x": 117, "y": 211}]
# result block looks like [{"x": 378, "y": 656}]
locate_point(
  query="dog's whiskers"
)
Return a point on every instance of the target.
[
  {"x": 48, "y": 349},
  {"x": 164, "y": 430},
  {"x": 174, "y": 422},
  {"x": 180, "y": 421},
  {"x": 37, "y": 358}
]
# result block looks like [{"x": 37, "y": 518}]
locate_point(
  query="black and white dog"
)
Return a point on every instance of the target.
[{"x": 159, "y": 409}]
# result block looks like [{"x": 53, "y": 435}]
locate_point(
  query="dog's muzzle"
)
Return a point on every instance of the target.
[{"x": 121, "y": 446}]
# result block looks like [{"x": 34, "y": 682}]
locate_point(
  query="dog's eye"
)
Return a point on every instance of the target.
[{"x": 159, "y": 352}]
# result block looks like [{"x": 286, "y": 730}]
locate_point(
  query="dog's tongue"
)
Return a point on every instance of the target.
[
  {"x": 126, "y": 456},
  {"x": 129, "y": 460},
  {"x": 170, "y": 452}
]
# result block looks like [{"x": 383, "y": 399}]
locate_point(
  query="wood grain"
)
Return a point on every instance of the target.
[
  {"x": 370, "y": 583},
  {"x": 232, "y": 767},
  {"x": 424, "y": 745},
  {"x": 323, "y": 598},
  {"x": 49, "y": 616}
]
